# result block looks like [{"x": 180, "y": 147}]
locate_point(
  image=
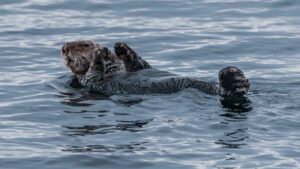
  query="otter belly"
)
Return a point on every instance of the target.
[
  {"x": 149, "y": 81},
  {"x": 142, "y": 82}
]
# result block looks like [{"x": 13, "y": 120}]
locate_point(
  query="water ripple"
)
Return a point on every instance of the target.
[{"x": 45, "y": 123}]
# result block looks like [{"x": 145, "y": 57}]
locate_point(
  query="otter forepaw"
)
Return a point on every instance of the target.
[
  {"x": 121, "y": 48},
  {"x": 233, "y": 82},
  {"x": 97, "y": 62}
]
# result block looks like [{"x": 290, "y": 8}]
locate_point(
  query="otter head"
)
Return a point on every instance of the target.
[{"x": 84, "y": 56}]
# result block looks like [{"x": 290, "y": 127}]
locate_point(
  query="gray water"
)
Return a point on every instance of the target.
[{"x": 46, "y": 124}]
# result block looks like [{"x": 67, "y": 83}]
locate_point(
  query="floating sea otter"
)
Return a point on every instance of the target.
[{"x": 103, "y": 71}]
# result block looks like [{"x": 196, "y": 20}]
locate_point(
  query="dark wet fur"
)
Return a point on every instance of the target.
[
  {"x": 101, "y": 75},
  {"x": 131, "y": 60},
  {"x": 233, "y": 81}
]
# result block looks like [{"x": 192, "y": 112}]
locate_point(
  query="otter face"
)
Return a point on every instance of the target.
[{"x": 79, "y": 56}]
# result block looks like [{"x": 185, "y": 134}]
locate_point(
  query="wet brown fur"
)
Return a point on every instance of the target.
[
  {"x": 88, "y": 56},
  {"x": 92, "y": 63}
]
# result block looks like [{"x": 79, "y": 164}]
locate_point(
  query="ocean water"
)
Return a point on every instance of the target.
[{"x": 46, "y": 124}]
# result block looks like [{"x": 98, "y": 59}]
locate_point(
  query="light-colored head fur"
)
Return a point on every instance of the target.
[{"x": 86, "y": 56}]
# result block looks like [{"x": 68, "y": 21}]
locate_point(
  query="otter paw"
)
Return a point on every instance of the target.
[
  {"x": 121, "y": 48},
  {"x": 233, "y": 82}
]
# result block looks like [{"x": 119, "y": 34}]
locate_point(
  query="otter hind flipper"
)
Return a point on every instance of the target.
[
  {"x": 233, "y": 82},
  {"x": 131, "y": 60}
]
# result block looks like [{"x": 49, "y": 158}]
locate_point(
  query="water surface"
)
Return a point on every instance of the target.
[{"x": 46, "y": 124}]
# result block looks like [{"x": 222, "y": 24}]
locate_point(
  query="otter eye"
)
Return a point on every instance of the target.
[{"x": 86, "y": 45}]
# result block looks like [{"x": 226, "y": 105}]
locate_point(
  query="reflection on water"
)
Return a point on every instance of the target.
[
  {"x": 103, "y": 128},
  {"x": 126, "y": 148},
  {"x": 234, "y": 139},
  {"x": 73, "y": 99},
  {"x": 236, "y": 110},
  {"x": 44, "y": 114},
  {"x": 121, "y": 125}
]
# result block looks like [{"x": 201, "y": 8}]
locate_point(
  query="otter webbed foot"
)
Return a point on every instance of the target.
[
  {"x": 232, "y": 82},
  {"x": 131, "y": 60}
]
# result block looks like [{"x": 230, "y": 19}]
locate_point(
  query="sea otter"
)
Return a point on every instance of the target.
[{"x": 124, "y": 71}]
